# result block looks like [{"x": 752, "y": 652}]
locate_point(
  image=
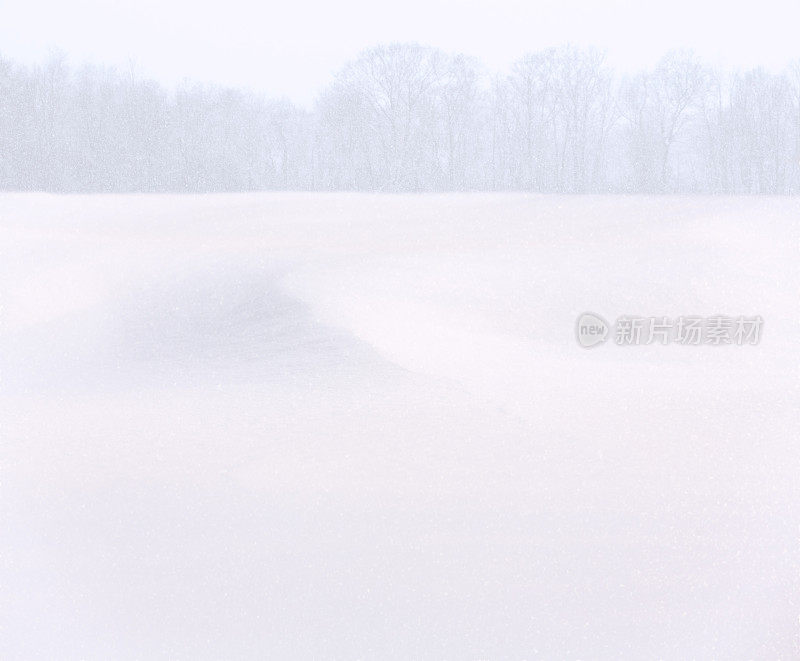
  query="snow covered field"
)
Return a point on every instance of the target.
[{"x": 360, "y": 426}]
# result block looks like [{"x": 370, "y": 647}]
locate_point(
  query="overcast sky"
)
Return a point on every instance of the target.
[{"x": 292, "y": 48}]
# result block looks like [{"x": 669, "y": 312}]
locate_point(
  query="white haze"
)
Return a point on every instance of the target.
[
  {"x": 292, "y": 48},
  {"x": 298, "y": 378}
]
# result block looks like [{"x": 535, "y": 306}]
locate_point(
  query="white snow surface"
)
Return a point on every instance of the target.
[{"x": 360, "y": 426}]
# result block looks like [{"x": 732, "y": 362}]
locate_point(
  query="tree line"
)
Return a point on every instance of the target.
[{"x": 405, "y": 117}]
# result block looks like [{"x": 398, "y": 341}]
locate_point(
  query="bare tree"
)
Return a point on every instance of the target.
[
  {"x": 532, "y": 89},
  {"x": 583, "y": 94},
  {"x": 679, "y": 84}
]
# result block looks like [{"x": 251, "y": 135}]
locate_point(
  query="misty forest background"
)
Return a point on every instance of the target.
[{"x": 405, "y": 117}]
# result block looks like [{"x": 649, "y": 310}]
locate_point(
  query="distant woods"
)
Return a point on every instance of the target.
[{"x": 405, "y": 117}]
